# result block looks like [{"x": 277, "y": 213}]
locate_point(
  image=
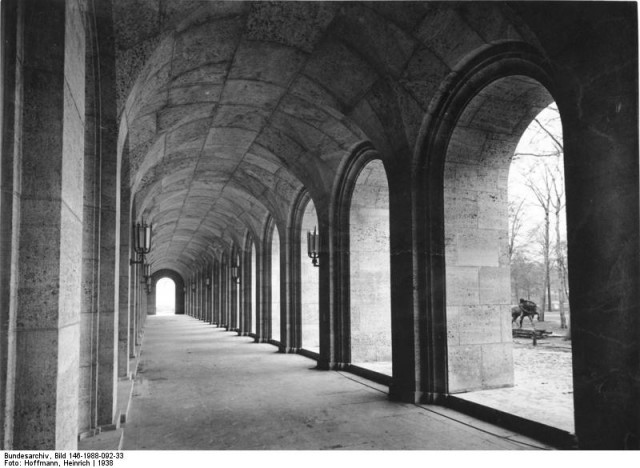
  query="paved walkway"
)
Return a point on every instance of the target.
[{"x": 202, "y": 388}]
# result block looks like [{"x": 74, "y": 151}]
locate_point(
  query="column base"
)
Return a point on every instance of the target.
[
  {"x": 410, "y": 395},
  {"x": 89, "y": 433},
  {"x": 431, "y": 398},
  {"x": 331, "y": 365}
]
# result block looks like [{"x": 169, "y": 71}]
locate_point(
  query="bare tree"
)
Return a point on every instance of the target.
[
  {"x": 542, "y": 189},
  {"x": 515, "y": 224},
  {"x": 545, "y": 182},
  {"x": 558, "y": 205}
]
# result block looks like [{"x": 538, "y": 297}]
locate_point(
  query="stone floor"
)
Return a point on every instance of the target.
[{"x": 202, "y": 388}]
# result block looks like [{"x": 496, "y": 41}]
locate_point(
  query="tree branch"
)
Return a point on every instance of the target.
[{"x": 553, "y": 137}]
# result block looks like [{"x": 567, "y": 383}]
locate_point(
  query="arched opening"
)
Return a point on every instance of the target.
[
  {"x": 275, "y": 285},
  {"x": 225, "y": 287},
  {"x": 165, "y": 297},
  {"x": 177, "y": 291},
  {"x": 370, "y": 270},
  {"x": 539, "y": 269},
  {"x": 485, "y": 356},
  {"x": 237, "y": 290},
  {"x": 215, "y": 293},
  {"x": 254, "y": 289},
  {"x": 309, "y": 284}
]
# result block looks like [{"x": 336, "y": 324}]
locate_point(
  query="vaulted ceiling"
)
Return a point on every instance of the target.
[{"x": 230, "y": 109}]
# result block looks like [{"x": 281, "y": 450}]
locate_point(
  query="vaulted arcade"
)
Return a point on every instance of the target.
[{"x": 236, "y": 128}]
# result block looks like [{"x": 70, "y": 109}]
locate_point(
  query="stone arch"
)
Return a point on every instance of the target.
[
  {"x": 361, "y": 155},
  {"x": 263, "y": 278},
  {"x": 266, "y": 308},
  {"x": 507, "y": 64},
  {"x": 277, "y": 324},
  {"x": 370, "y": 270},
  {"x": 477, "y": 269},
  {"x": 297, "y": 255},
  {"x": 177, "y": 280},
  {"x": 223, "y": 286},
  {"x": 249, "y": 283},
  {"x": 234, "y": 290}
]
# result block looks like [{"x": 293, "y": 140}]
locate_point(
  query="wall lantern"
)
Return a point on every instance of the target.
[
  {"x": 146, "y": 272},
  {"x": 235, "y": 273},
  {"x": 193, "y": 286},
  {"x": 312, "y": 246},
  {"x": 208, "y": 282},
  {"x": 141, "y": 241}
]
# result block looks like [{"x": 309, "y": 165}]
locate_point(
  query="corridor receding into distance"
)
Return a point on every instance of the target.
[{"x": 189, "y": 395}]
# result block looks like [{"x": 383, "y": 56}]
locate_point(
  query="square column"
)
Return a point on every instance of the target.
[
  {"x": 124, "y": 291},
  {"x": 49, "y": 256}
]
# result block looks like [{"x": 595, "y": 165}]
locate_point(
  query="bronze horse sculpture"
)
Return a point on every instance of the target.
[{"x": 524, "y": 309}]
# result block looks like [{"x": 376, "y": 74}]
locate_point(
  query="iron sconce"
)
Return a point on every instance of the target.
[
  {"x": 141, "y": 241},
  {"x": 235, "y": 273},
  {"x": 312, "y": 246}
]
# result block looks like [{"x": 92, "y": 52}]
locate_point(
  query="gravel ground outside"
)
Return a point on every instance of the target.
[{"x": 543, "y": 390}]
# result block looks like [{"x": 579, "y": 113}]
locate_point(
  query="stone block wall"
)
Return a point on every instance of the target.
[
  {"x": 370, "y": 267},
  {"x": 309, "y": 279},
  {"x": 478, "y": 286},
  {"x": 477, "y": 272}
]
